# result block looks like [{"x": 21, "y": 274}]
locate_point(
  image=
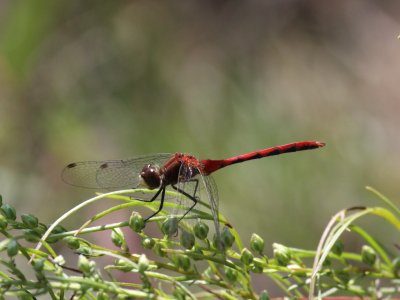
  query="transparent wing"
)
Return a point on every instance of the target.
[
  {"x": 111, "y": 174},
  {"x": 179, "y": 205},
  {"x": 202, "y": 188},
  {"x": 212, "y": 197}
]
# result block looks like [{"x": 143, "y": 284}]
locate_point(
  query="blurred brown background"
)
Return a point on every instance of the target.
[{"x": 90, "y": 80}]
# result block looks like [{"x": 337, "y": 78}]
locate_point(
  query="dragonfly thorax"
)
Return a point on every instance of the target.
[
  {"x": 150, "y": 176},
  {"x": 180, "y": 168}
]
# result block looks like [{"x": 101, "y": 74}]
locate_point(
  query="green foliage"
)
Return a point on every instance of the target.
[
  {"x": 136, "y": 222},
  {"x": 368, "y": 255},
  {"x": 257, "y": 243},
  {"x": 282, "y": 254},
  {"x": 187, "y": 239},
  {"x": 201, "y": 230},
  {"x": 189, "y": 265}
]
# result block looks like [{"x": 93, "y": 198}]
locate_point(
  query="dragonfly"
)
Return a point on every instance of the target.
[{"x": 159, "y": 172}]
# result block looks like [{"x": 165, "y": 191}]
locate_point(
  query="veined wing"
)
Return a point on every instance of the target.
[
  {"x": 186, "y": 185},
  {"x": 201, "y": 187},
  {"x": 212, "y": 196},
  {"x": 110, "y": 174}
]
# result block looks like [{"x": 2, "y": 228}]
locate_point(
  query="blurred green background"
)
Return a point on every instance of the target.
[{"x": 94, "y": 80}]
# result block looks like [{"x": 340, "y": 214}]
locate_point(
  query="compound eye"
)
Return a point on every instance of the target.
[{"x": 150, "y": 175}]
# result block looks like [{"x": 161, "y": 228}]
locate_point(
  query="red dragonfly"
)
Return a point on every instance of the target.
[{"x": 161, "y": 171}]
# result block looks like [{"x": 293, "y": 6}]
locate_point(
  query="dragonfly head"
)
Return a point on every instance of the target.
[{"x": 150, "y": 176}]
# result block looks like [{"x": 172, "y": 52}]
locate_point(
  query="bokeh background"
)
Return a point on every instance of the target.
[{"x": 94, "y": 80}]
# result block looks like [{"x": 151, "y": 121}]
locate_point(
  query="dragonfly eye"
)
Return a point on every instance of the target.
[{"x": 150, "y": 176}]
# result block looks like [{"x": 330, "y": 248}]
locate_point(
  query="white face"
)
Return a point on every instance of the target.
[{"x": 142, "y": 183}]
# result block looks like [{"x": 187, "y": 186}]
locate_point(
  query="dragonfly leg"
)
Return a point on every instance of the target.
[
  {"x": 194, "y": 191},
  {"x": 148, "y": 200},
  {"x": 162, "y": 190},
  {"x": 195, "y": 188},
  {"x": 191, "y": 197}
]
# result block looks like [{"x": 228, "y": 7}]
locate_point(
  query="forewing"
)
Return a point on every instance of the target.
[{"x": 111, "y": 174}]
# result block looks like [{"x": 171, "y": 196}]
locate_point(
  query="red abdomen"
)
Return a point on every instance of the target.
[{"x": 210, "y": 166}]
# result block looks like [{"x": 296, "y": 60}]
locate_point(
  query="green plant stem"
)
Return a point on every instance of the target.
[
  {"x": 75, "y": 283},
  {"x": 384, "y": 199},
  {"x": 370, "y": 240}
]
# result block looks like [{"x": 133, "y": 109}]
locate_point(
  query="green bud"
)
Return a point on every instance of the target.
[
  {"x": 84, "y": 250},
  {"x": 9, "y": 212},
  {"x": 72, "y": 242},
  {"x": 246, "y": 257},
  {"x": 3, "y": 222},
  {"x": 31, "y": 235},
  {"x": 123, "y": 265},
  {"x": 201, "y": 230},
  {"x": 368, "y": 255},
  {"x": 92, "y": 265},
  {"x": 338, "y": 248},
  {"x": 58, "y": 229},
  {"x": 227, "y": 238},
  {"x": 343, "y": 276},
  {"x": 30, "y": 221},
  {"x": 182, "y": 261},
  {"x": 148, "y": 243},
  {"x": 257, "y": 266},
  {"x": 102, "y": 296},
  {"x": 264, "y": 295},
  {"x": 38, "y": 264},
  {"x": 187, "y": 239},
  {"x": 85, "y": 265},
  {"x": 59, "y": 260},
  {"x": 396, "y": 267},
  {"x": 169, "y": 226},
  {"x": 231, "y": 274},
  {"x": 257, "y": 243},
  {"x": 327, "y": 262},
  {"x": 117, "y": 237},
  {"x": 12, "y": 248},
  {"x": 158, "y": 249},
  {"x": 282, "y": 254},
  {"x": 185, "y": 262},
  {"x": 136, "y": 222},
  {"x": 41, "y": 229},
  {"x": 143, "y": 263},
  {"x": 197, "y": 251}
]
